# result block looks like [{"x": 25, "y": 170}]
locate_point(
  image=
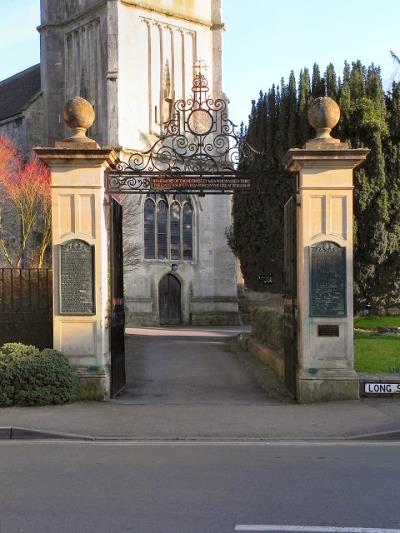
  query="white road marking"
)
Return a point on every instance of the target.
[
  {"x": 109, "y": 441},
  {"x": 314, "y": 529}
]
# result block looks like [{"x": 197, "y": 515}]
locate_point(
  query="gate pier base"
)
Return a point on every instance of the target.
[
  {"x": 323, "y": 300},
  {"x": 339, "y": 384}
]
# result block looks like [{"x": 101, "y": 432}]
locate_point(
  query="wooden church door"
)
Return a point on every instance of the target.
[{"x": 170, "y": 300}]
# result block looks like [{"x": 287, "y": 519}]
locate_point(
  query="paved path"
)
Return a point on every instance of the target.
[{"x": 188, "y": 366}]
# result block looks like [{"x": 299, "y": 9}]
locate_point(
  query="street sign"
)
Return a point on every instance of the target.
[{"x": 382, "y": 388}]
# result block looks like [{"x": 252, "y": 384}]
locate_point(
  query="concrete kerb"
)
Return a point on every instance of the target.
[
  {"x": 20, "y": 433},
  {"x": 27, "y": 434}
]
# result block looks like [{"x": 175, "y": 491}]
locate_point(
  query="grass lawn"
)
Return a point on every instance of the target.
[
  {"x": 377, "y": 353},
  {"x": 375, "y": 321}
]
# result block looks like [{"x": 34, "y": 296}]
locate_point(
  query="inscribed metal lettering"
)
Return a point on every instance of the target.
[
  {"x": 76, "y": 279},
  {"x": 327, "y": 279},
  {"x": 199, "y": 183}
]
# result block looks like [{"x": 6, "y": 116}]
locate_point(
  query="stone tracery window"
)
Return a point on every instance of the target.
[{"x": 168, "y": 227}]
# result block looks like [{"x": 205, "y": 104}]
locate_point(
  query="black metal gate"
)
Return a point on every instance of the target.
[
  {"x": 290, "y": 295},
  {"x": 118, "y": 376}
]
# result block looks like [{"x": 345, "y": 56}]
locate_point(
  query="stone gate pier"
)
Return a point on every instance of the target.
[
  {"x": 324, "y": 257},
  {"x": 81, "y": 250}
]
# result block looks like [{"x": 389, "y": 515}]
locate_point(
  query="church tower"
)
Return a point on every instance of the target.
[{"x": 132, "y": 59}]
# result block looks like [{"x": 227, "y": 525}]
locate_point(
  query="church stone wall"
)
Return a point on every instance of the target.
[
  {"x": 34, "y": 120},
  {"x": 61, "y": 10},
  {"x": 15, "y": 129},
  {"x": 26, "y": 130},
  {"x": 214, "y": 285},
  {"x": 208, "y": 281},
  {"x": 74, "y": 52}
]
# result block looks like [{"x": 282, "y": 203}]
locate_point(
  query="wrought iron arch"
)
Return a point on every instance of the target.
[{"x": 198, "y": 152}]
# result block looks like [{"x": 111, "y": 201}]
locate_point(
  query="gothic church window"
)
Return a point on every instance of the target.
[
  {"x": 149, "y": 233},
  {"x": 168, "y": 227},
  {"x": 187, "y": 231},
  {"x": 162, "y": 230}
]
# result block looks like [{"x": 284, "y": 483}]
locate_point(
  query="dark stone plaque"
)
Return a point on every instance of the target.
[
  {"x": 327, "y": 279},
  {"x": 76, "y": 278}
]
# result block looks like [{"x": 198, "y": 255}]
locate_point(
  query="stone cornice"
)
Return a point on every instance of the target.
[
  {"x": 93, "y": 156},
  {"x": 168, "y": 13},
  {"x": 297, "y": 158},
  {"x": 133, "y": 3}
]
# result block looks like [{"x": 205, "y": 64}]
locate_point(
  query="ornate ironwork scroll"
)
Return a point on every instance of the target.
[{"x": 198, "y": 151}]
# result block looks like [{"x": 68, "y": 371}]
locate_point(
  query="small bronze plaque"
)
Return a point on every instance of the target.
[
  {"x": 328, "y": 330},
  {"x": 327, "y": 279},
  {"x": 76, "y": 281}
]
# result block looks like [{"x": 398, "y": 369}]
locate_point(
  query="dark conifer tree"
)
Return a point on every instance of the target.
[
  {"x": 292, "y": 111},
  {"x": 369, "y": 118},
  {"x": 317, "y": 83},
  {"x": 304, "y": 129},
  {"x": 331, "y": 82}
]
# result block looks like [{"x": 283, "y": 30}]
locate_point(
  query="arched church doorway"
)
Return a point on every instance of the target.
[{"x": 169, "y": 299}]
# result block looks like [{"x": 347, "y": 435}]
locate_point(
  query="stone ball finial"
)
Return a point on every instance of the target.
[
  {"x": 79, "y": 115},
  {"x": 323, "y": 115}
]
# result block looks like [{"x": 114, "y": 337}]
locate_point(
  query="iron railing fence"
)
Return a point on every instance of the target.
[{"x": 26, "y": 306}]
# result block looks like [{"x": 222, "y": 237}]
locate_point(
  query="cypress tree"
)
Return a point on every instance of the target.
[
  {"x": 305, "y": 98},
  {"x": 317, "y": 83},
  {"x": 331, "y": 83},
  {"x": 292, "y": 111}
]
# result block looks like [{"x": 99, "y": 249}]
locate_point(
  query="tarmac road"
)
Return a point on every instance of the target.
[{"x": 68, "y": 487}]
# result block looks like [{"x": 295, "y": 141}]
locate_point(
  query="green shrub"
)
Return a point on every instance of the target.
[
  {"x": 16, "y": 350},
  {"x": 267, "y": 326},
  {"x": 32, "y": 377}
]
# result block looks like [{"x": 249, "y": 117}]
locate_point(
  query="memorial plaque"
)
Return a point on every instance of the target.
[
  {"x": 328, "y": 330},
  {"x": 327, "y": 280},
  {"x": 76, "y": 281}
]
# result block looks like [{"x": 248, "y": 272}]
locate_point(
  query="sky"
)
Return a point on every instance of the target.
[{"x": 264, "y": 40}]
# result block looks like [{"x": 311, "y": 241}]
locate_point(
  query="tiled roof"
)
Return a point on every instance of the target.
[{"x": 17, "y": 92}]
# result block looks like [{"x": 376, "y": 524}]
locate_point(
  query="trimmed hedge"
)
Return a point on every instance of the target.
[
  {"x": 267, "y": 326},
  {"x": 32, "y": 377}
]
